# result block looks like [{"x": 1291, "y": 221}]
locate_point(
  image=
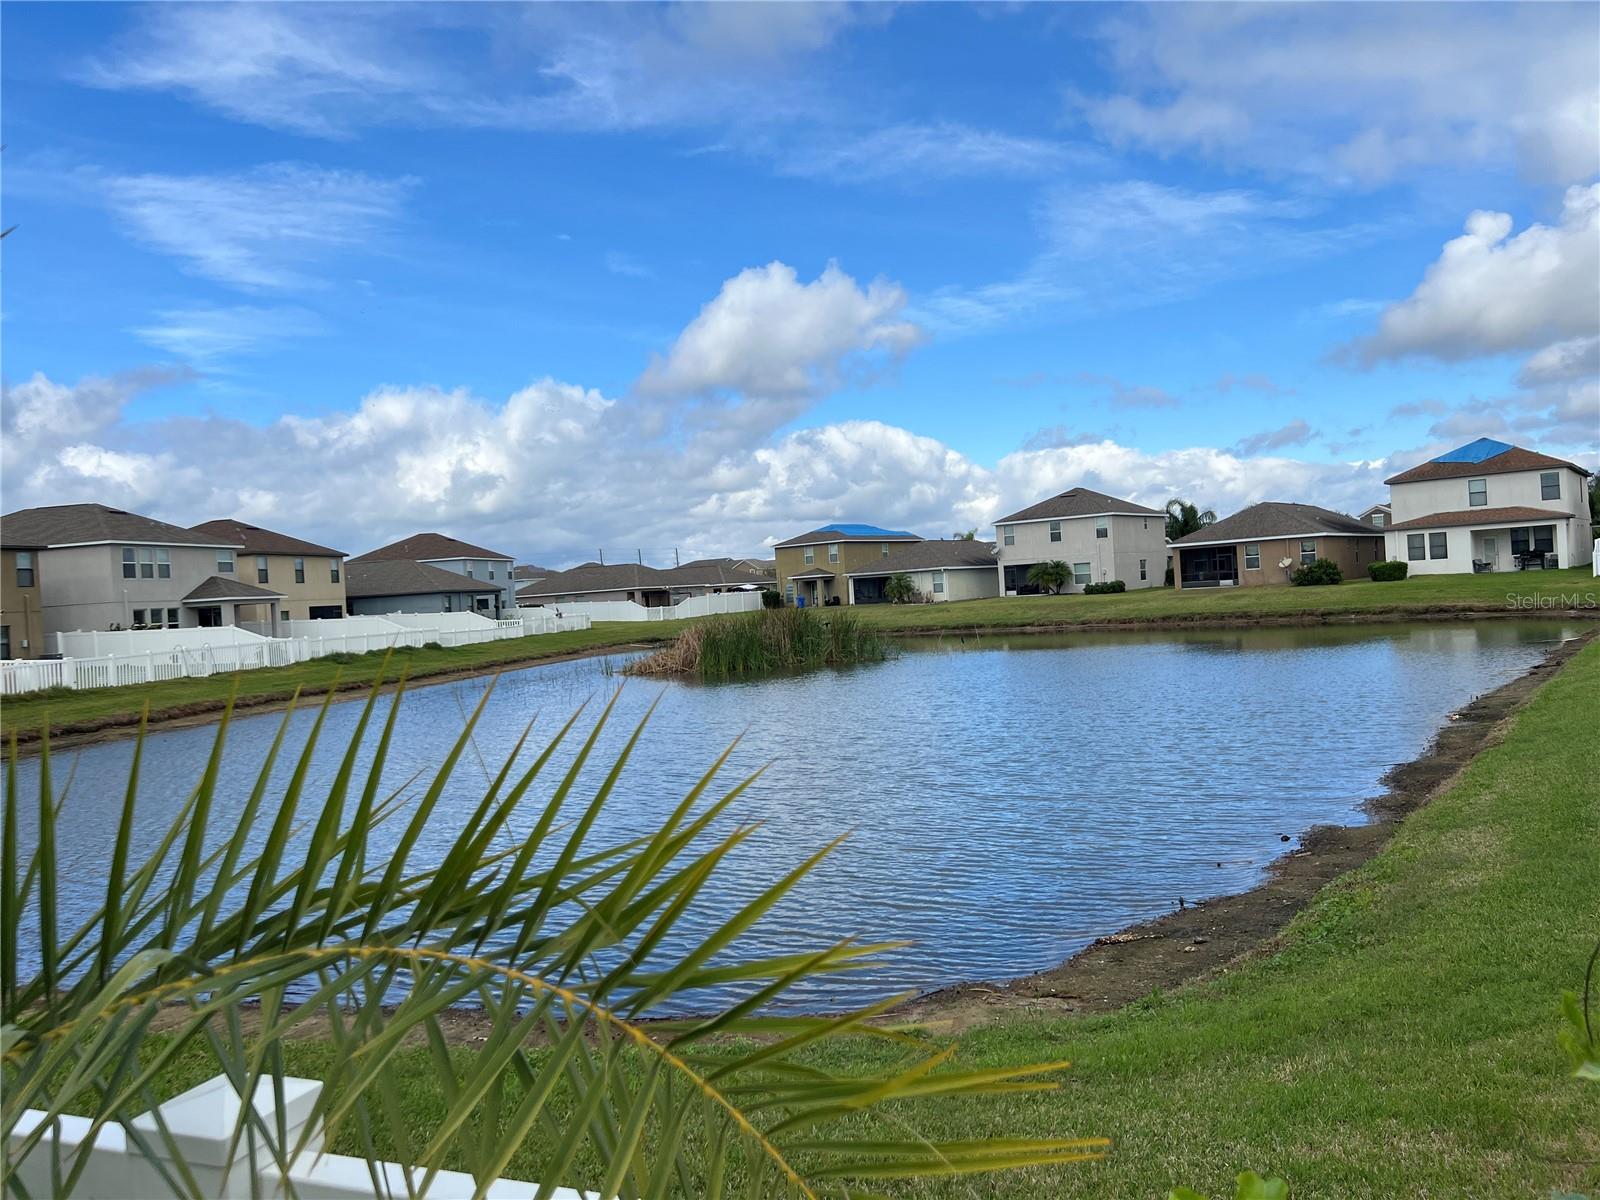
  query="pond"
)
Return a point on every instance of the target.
[{"x": 1010, "y": 798}]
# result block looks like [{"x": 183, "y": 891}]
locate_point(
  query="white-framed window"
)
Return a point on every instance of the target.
[
  {"x": 885, "y": 549},
  {"x": 449, "y": 604},
  {"x": 1102, "y": 527},
  {"x": 130, "y": 565},
  {"x": 1055, "y": 531},
  {"x": 138, "y": 616},
  {"x": 809, "y": 556},
  {"x": 1308, "y": 552},
  {"x": 261, "y": 568},
  {"x": 1550, "y": 485},
  {"x": 1438, "y": 545},
  {"x": 1147, "y": 522},
  {"x": 1416, "y": 547},
  {"x": 172, "y": 618},
  {"x": 833, "y": 552},
  {"x": 1008, "y": 534},
  {"x": 491, "y": 570},
  {"x": 1377, "y": 520},
  {"x": 938, "y": 583},
  {"x": 1143, "y": 574},
  {"x": 299, "y": 570},
  {"x": 1252, "y": 556},
  {"x": 333, "y": 570},
  {"x": 5, "y": 641},
  {"x": 24, "y": 568},
  {"x": 225, "y": 563},
  {"x": 1477, "y": 493},
  {"x": 163, "y": 563},
  {"x": 470, "y": 575},
  {"x": 1081, "y": 574}
]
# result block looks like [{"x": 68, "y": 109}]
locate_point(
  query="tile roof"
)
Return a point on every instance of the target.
[
  {"x": 86, "y": 524},
  {"x": 1270, "y": 519},
  {"x": 935, "y": 554},
  {"x": 1484, "y": 516},
  {"x": 400, "y": 578},
  {"x": 847, "y": 533},
  {"x": 426, "y": 547},
  {"x": 219, "y": 587},
  {"x": 1512, "y": 458},
  {"x": 256, "y": 540},
  {"x": 1079, "y": 502}
]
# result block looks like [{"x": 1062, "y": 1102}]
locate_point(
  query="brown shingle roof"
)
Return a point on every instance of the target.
[
  {"x": 623, "y": 577},
  {"x": 406, "y": 579},
  {"x": 1483, "y": 516},
  {"x": 1270, "y": 519},
  {"x": 936, "y": 554},
  {"x": 427, "y": 547},
  {"x": 847, "y": 533},
  {"x": 814, "y": 573},
  {"x": 219, "y": 587},
  {"x": 257, "y": 540},
  {"x": 1514, "y": 459},
  {"x": 80, "y": 524},
  {"x": 1079, "y": 502}
]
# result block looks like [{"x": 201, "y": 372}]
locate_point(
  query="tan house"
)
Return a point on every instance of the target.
[
  {"x": 814, "y": 568},
  {"x": 21, "y": 614},
  {"x": 1250, "y": 548},
  {"x": 308, "y": 577}
]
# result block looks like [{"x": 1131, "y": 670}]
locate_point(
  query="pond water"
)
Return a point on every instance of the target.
[{"x": 1011, "y": 798}]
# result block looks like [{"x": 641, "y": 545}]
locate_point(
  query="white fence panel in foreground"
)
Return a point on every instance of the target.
[{"x": 201, "y": 1124}]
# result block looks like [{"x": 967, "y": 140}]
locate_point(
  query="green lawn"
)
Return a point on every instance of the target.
[{"x": 1398, "y": 1042}]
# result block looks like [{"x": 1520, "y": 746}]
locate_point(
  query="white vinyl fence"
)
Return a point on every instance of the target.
[
  {"x": 693, "y": 606},
  {"x": 201, "y": 1124},
  {"x": 150, "y": 655}
]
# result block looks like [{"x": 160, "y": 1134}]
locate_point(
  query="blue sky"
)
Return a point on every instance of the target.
[{"x": 563, "y": 277}]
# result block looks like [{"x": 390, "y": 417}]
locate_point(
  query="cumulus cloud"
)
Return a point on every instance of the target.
[
  {"x": 1562, "y": 362},
  {"x": 767, "y": 335},
  {"x": 1490, "y": 292}
]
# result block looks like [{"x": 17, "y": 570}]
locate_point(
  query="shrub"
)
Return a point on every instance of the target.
[
  {"x": 771, "y": 600},
  {"x": 1323, "y": 571},
  {"x": 1388, "y": 572},
  {"x": 432, "y": 645},
  {"x": 1109, "y": 587},
  {"x": 1052, "y": 576},
  {"x": 341, "y": 656}
]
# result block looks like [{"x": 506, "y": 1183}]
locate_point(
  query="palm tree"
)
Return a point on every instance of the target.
[
  {"x": 900, "y": 589},
  {"x": 1052, "y": 576},
  {"x": 1183, "y": 518},
  {"x": 242, "y": 947},
  {"x": 970, "y": 535}
]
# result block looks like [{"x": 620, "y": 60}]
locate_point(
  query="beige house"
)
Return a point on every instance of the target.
[
  {"x": 308, "y": 577},
  {"x": 814, "y": 568},
  {"x": 1250, "y": 548},
  {"x": 21, "y": 616},
  {"x": 1101, "y": 538}
]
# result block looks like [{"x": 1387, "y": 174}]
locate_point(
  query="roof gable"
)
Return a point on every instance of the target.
[
  {"x": 426, "y": 547},
  {"x": 403, "y": 577},
  {"x": 845, "y": 532},
  {"x": 1272, "y": 519},
  {"x": 1079, "y": 502},
  {"x": 1475, "y": 459},
  {"x": 253, "y": 539}
]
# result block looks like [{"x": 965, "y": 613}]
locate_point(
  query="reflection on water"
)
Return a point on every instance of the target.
[{"x": 1011, "y": 798}]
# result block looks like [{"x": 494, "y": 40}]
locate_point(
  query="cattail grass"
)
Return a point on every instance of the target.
[{"x": 765, "y": 642}]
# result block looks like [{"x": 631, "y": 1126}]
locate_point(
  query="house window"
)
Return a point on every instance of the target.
[
  {"x": 147, "y": 563},
  {"x": 333, "y": 571},
  {"x": 1009, "y": 535},
  {"x": 299, "y": 570},
  {"x": 130, "y": 568},
  {"x": 938, "y": 583},
  {"x": 1477, "y": 493},
  {"x": 1147, "y": 522},
  {"x": 1438, "y": 545},
  {"x": 491, "y": 570},
  {"x": 5, "y": 641},
  {"x": 810, "y": 556},
  {"x": 1080, "y": 573},
  {"x": 163, "y": 563},
  {"x": 138, "y": 617},
  {"x": 1142, "y": 574},
  {"x": 470, "y": 575},
  {"x": 1102, "y": 527},
  {"x": 224, "y": 562},
  {"x": 448, "y": 607},
  {"x": 1539, "y": 538},
  {"x": 172, "y": 618},
  {"x": 1377, "y": 520},
  {"x": 833, "y": 552},
  {"x": 261, "y": 568},
  {"x": 1055, "y": 531},
  {"x": 1416, "y": 547},
  {"x": 1550, "y": 485},
  {"x": 1308, "y": 552},
  {"x": 1252, "y": 556},
  {"x": 885, "y": 549},
  {"x": 24, "y": 568}
]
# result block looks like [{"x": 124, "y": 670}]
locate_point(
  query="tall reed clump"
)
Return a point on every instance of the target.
[
  {"x": 765, "y": 642},
  {"x": 245, "y": 931}
]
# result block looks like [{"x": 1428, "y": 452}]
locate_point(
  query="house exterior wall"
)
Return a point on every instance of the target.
[
  {"x": 1115, "y": 556},
  {"x": 20, "y": 610},
  {"x": 1354, "y": 554},
  {"x": 1571, "y": 543},
  {"x": 428, "y": 602},
  {"x": 82, "y": 587},
  {"x": 853, "y": 556},
  {"x": 320, "y": 590},
  {"x": 960, "y": 583},
  {"x": 485, "y": 570},
  {"x": 1574, "y": 546}
]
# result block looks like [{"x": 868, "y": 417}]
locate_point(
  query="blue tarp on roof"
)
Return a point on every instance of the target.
[
  {"x": 1475, "y": 452},
  {"x": 867, "y": 531}
]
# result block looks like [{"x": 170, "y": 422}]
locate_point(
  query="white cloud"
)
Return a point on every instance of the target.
[
  {"x": 1562, "y": 362},
  {"x": 1357, "y": 94},
  {"x": 921, "y": 149},
  {"x": 208, "y": 336},
  {"x": 1296, "y": 433},
  {"x": 619, "y": 263},
  {"x": 766, "y": 335},
  {"x": 258, "y": 229},
  {"x": 1492, "y": 293}
]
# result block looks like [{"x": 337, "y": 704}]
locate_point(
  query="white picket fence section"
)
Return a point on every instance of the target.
[
  {"x": 148, "y": 656},
  {"x": 693, "y": 606},
  {"x": 200, "y": 1125}
]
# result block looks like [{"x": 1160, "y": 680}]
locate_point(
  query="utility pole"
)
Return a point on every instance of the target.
[
  {"x": 638, "y": 556},
  {"x": 602, "y": 556},
  {"x": 676, "y": 561}
]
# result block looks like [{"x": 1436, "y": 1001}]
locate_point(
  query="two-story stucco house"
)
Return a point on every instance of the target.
[
  {"x": 1099, "y": 537},
  {"x": 814, "y": 567},
  {"x": 451, "y": 554},
  {"x": 21, "y": 620},
  {"x": 309, "y": 577},
  {"x": 1490, "y": 506},
  {"x": 103, "y": 568}
]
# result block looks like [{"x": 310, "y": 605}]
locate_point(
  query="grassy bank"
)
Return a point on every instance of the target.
[
  {"x": 101, "y": 707},
  {"x": 767, "y": 642}
]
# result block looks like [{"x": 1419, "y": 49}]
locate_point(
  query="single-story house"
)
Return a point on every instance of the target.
[
  {"x": 651, "y": 587},
  {"x": 1248, "y": 548},
  {"x": 375, "y": 588},
  {"x": 940, "y": 569}
]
